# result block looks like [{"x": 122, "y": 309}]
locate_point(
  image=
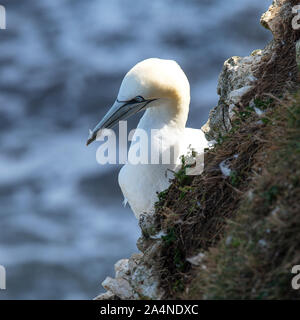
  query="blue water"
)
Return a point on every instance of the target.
[{"x": 61, "y": 63}]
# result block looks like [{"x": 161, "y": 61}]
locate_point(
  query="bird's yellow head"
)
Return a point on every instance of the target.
[
  {"x": 150, "y": 83},
  {"x": 155, "y": 79}
]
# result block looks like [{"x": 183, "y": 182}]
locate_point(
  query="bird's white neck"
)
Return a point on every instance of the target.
[
  {"x": 164, "y": 125},
  {"x": 165, "y": 112}
]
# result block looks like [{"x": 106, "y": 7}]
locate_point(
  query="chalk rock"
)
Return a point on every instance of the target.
[
  {"x": 278, "y": 15},
  {"x": 236, "y": 79},
  {"x": 119, "y": 287},
  {"x": 137, "y": 277},
  {"x": 106, "y": 296}
]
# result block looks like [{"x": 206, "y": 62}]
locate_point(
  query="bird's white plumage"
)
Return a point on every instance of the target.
[{"x": 164, "y": 81}]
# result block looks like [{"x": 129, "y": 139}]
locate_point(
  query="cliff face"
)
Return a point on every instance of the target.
[
  {"x": 231, "y": 232},
  {"x": 263, "y": 72}
]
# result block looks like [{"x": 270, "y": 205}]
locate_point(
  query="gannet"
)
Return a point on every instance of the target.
[{"x": 161, "y": 88}]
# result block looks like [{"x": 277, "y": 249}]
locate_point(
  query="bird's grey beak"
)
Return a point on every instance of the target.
[{"x": 120, "y": 110}]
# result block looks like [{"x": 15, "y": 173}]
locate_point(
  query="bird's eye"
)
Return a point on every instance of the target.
[{"x": 139, "y": 99}]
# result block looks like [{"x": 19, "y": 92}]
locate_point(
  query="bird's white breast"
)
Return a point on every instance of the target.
[{"x": 140, "y": 183}]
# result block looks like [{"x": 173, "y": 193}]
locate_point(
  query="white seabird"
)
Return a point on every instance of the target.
[{"x": 161, "y": 88}]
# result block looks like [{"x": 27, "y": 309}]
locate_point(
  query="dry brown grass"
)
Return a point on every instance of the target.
[
  {"x": 261, "y": 242},
  {"x": 203, "y": 212},
  {"x": 195, "y": 210}
]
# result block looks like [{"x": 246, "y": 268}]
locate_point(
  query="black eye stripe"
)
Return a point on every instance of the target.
[{"x": 137, "y": 99}]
